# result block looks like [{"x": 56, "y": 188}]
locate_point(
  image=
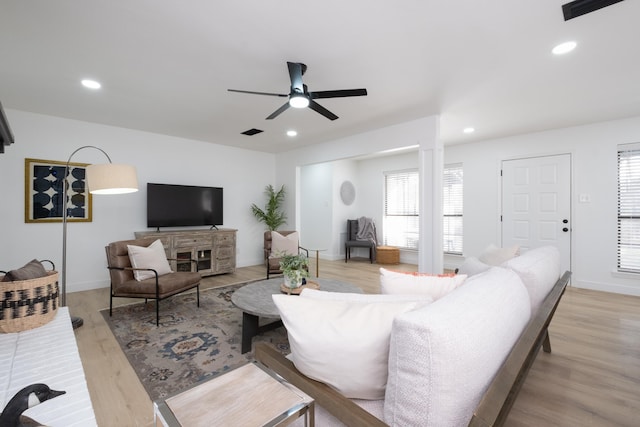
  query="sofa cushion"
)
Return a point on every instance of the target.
[
  {"x": 31, "y": 270},
  {"x": 472, "y": 266},
  {"x": 443, "y": 356},
  {"x": 168, "y": 284},
  {"x": 539, "y": 270},
  {"x": 437, "y": 286},
  {"x": 152, "y": 256},
  {"x": 345, "y": 296},
  {"x": 281, "y": 245},
  {"x": 344, "y": 344}
]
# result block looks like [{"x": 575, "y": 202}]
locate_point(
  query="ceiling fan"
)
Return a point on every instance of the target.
[{"x": 300, "y": 97}]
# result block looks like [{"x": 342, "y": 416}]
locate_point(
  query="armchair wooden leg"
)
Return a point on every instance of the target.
[
  {"x": 198, "y": 294},
  {"x": 158, "y": 312}
]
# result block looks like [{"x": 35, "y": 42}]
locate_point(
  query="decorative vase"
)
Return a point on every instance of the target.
[{"x": 293, "y": 279}]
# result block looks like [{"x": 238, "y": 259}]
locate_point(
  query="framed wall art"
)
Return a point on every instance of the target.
[{"x": 43, "y": 192}]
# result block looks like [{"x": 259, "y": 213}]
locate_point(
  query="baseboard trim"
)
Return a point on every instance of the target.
[{"x": 607, "y": 287}]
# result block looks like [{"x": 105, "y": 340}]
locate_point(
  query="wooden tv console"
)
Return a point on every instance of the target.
[{"x": 215, "y": 250}]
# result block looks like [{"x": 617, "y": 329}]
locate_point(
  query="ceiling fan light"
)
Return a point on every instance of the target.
[{"x": 299, "y": 101}]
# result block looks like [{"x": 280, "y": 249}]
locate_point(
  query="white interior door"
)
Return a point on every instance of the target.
[{"x": 536, "y": 204}]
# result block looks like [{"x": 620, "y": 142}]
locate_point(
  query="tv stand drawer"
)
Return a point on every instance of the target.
[{"x": 187, "y": 241}]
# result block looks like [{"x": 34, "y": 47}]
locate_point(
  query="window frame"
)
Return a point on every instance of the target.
[
  {"x": 628, "y": 209},
  {"x": 452, "y": 209}
]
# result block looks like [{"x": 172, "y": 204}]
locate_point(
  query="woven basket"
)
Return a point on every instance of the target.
[
  {"x": 27, "y": 304},
  {"x": 387, "y": 255}
]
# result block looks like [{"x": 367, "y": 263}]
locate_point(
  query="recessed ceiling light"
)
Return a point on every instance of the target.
[
  {"x": 292, "y": 133},
  {"x": 468, "y": 130},
  {"x": 91, "y": 84},
  {"x": 563, "y": 48}
]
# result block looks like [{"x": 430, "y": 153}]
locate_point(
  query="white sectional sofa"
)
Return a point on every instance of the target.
[
  {"x": 47, "y": 354},
  {"x": 456, "y": 361}
]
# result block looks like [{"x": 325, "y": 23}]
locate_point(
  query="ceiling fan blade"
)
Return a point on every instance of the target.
[
  {"x": 278, "y": 111},
  {"x": 295, "y": 74},
  {"x": 337, "y": 93},
  {"x": 259, "y": 93},
  {"x": 320, "y": 109}
]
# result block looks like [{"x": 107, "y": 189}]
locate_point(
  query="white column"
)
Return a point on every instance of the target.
[{"x": 431, "y": 167}]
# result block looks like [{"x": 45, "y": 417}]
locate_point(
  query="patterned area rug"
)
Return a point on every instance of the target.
[{"x": 190, "y": 345}]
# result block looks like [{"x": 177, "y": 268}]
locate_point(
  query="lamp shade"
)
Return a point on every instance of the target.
[{"x": 109, "y": 178}]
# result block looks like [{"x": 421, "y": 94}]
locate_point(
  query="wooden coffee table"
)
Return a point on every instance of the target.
[
  {"x": 255, "y": 302},
  {"x": 251, "y": 395}
]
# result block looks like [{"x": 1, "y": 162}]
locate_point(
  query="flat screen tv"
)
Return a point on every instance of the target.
[{"x": 171, "y": 205}]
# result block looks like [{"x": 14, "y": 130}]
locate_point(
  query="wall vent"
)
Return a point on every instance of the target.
[
  {"x": 252, "y": 131},
  {"x": 582, "y": 7}
]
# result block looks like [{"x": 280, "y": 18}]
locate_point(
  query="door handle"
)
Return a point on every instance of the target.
[{"x": 565, "y": 229}]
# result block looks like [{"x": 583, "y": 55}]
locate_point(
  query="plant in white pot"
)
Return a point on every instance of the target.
[{"x": 294, "y": 268}]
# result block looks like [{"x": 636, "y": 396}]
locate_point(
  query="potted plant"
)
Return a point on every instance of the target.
[
  {"x": 294, "y": 268},
  {"x": 272, "y": 216}
]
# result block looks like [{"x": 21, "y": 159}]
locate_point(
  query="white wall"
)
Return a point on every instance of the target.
[
  {"x": 345, "y": 170},
  {"x": 316, "y": 206},
  {"x": 158, "y": 158}
]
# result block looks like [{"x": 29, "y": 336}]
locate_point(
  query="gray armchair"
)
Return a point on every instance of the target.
[{"x": 353, "y": 242}]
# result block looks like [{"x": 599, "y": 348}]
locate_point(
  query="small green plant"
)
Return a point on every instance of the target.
[
  {"x": 294, "y": 268},
  {"x": 272, "y": 216}
]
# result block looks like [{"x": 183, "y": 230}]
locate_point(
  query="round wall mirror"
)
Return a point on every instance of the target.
[{"x": 347, "y": 192}]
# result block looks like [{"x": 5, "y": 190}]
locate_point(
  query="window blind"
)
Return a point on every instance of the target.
[
  {"x": 452, "y": 209},
  {"x": 402, "y": 209},
  {"x": 629, "y": 208}
]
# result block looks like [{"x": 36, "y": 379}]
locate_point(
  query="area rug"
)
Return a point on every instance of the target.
[{"x": 191, "y": 344}]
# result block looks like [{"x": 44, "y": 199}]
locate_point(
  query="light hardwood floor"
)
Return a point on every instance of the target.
[{"x": 591, "y": 378}]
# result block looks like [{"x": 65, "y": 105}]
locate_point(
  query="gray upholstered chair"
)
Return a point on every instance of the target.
[
  {"x": 159, "y": 287},
  {"x": 272, "y": 262},
  {"x": 353, "y": 242}
]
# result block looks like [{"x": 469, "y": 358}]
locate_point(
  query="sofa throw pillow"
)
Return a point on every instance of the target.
[
  {"x": 281, "y": 245},
  {"x": 472, "y": 266},
  {"x": 495, "y": 256},
  {"x": 437, "y": 286},
  {"x": 344, "y": 344},
  {"x": 539, "y": 269},
  {"x": 31, "y": 270},
  {"x": 153, "y": 256}
]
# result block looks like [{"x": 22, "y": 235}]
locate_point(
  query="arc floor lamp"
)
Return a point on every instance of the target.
[{"x": 107, "y": 178}]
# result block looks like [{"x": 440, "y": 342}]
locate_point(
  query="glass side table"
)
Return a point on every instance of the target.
[
  {"x": 251, "y": 395},
  {"x": 318, "y": 260}
]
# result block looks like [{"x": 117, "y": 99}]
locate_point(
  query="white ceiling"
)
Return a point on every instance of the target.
[{"x": 166, "y": 65}]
